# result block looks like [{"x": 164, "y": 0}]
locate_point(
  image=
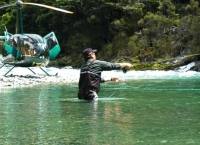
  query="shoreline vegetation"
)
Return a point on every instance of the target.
[{"x": 160, "y": 64}]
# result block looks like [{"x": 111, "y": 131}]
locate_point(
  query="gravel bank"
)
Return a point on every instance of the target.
[
  {"x": 20, "y": 81},
  {"x": 20, "y": 77}
]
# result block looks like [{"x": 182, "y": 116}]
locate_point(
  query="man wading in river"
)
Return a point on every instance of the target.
[{"x": 90, "y": 74}]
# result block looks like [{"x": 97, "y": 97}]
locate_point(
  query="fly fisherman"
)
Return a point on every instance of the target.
[{"x": 90, "y": 74}]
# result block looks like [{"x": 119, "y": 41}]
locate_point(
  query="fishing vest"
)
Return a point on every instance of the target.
[{"x": 89, "y": 83}]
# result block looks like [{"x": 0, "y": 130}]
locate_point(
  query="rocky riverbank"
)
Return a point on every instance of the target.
[
  {"x": 20, "y": 77},
  {"x": 21, "y": 81}
]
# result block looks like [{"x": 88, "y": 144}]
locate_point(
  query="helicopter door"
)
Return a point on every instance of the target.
[
  {"x": 11, "y": 50},
  {"x": 53, "y": 45}
]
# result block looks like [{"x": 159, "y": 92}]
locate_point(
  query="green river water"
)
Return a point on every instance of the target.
[{"x": 134, "y": 112}]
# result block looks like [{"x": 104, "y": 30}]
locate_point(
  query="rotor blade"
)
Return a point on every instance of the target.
[
  {"x": 49, "y": 7},
  {"x": 8, "y": 5}
]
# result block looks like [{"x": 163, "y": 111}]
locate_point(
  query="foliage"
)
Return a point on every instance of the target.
[{"x": 144, "y": 31}]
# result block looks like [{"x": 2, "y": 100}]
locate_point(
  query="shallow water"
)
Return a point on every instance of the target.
[{"x": 135, "y": 111}]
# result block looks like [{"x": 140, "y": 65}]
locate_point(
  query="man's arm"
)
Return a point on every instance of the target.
[
  {"x": 125, "y": 66},
  {"x": 114, "y": 66}
]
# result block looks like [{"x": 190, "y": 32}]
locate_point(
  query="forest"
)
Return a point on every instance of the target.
[{"x": 137, "y": 31}]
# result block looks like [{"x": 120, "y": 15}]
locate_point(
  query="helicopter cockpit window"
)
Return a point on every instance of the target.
[
  {"x": 27, "y": 44},
  {"x": 37, "y": 38},
  {"x": 51, "y": 41}
]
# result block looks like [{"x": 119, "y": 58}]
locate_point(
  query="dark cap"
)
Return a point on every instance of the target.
[{"x": 87, "y": 51}]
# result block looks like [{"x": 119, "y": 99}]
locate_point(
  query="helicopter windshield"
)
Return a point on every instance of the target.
[
  {"x": 28, "y": 44},
  {"x": 35, "y": 37}
]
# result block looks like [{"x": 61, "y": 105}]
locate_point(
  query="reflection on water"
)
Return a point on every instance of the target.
[{"x": 130, "y": 112}]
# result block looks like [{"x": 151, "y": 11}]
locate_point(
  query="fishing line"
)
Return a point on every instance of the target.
[
  {"x": 123, "y": 79},
  {"x": 135, "y": 87},
  {"x": 113, "y": 93}
]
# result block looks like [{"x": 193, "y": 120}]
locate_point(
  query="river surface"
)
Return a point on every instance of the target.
[{"x": 145, "y": 108}]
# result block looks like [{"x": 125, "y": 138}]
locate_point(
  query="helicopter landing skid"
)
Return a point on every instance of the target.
[
  {"x": 8, "y": 70},
  {"x": 41, "y": 69},
  {"x": 28, "y": 68}
]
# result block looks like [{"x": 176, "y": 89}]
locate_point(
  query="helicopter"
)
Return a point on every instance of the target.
[{"x": 29, "y": 50}]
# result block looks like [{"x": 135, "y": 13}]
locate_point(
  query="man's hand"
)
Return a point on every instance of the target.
[
  {"x": 126, "y": 66},
  {"x": 115, "y": 79}
]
